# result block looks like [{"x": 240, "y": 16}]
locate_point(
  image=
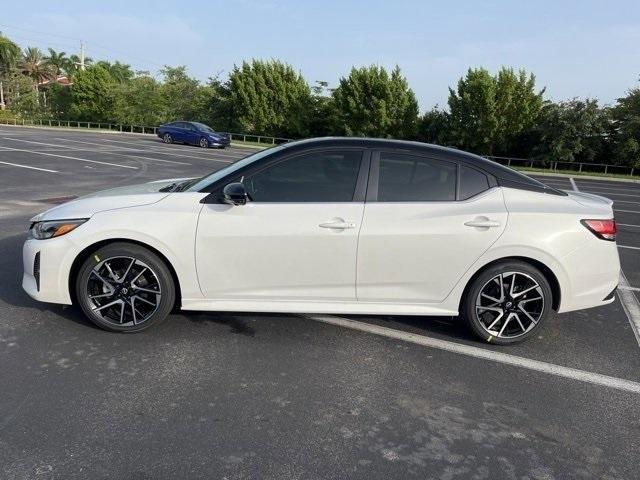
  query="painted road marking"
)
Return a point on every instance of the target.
[
  {"x": 573, "y": 184},
  {"x": 627, "y": 246},
  {"x": 168, "y": 151},
  {"x": 630, "y": 305},
  {"x": 627, "y": 211},
  {"x": 481, "y": 353},
  {"x": 627, "y": 225},
  {"x": 64, "y": 156},
  {"x": 121, "y": 149},
  {"x": 32, "y": 168},
  {"x": 633, "y": 289}
]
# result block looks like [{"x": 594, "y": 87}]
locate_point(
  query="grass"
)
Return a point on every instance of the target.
[{"x": 573, "y": 173}]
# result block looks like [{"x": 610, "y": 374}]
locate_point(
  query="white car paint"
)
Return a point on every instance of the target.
[{"x": 413, "y": 259}]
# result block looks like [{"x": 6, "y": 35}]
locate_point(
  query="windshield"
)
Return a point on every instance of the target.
[
  {"x": 207, "y": 180},
  {"x": 202, "y": 127}
]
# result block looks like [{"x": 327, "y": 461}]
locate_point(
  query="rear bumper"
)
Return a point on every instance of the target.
[{"x": 594, "y": 273}]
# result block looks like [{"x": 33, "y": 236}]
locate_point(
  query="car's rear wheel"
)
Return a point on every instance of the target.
[
  {"x": 507, "y": 303},
  {"x": 204, "y": 143},
  {"x": 124, "y": 287},
  {"x": 167, "y": 138}
]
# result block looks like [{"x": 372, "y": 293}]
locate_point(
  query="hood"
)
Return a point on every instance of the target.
[{"x": 112, "y": 199}]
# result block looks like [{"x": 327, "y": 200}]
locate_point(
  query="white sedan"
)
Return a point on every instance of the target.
[{"x": 332, "y": 225}]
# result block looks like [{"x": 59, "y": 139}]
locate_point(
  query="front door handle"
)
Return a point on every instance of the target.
[
  {"x": 482, "y": 223},
  {"x": 338, "y": 225}
]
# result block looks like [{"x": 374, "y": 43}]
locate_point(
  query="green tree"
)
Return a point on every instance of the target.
[
  {"x": 626, "y": 129},
  {"x": 34, "y": 66},
  {"x": 120, "y": 72},
  {"x": 93, "y": 95},
  {"x": 572, "y": 131},
  {"x": 140, "y": 102},
  {"x": 489, "y": 113},
  {"x": 370, "y": 102},
  {"x": 433, "y": 127},
  {"x": 269, "y": 97},
  {"x": 184, "y": 96},
  {"x": 9, "y": 55},
  {"x": 57, "y": 62}
]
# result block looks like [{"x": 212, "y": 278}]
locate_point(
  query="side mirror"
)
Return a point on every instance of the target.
[{"x": 235, "y": 194}]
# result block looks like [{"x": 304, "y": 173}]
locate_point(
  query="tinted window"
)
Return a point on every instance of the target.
[
  {"x": 329, "y": 176},
  {"x": 472, "y": 182},
  {"x": 178, "y": 125},
  {"x": 408, "y": 178}
]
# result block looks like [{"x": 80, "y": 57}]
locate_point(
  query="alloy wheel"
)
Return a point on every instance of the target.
[
  {"x": 167, "y": 138},
  {"x": 204, "y": 143},
  {"x": 123, "y": 291},
  {"x": 510, "y": 305}
]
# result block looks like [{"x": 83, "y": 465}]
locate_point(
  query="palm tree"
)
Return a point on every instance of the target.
[
  {"x": 33, "y": 66},
  {"x": 58, "y": 62},
  {"x": 9, "y": 54},
  {"x": 74, "y": 63}
]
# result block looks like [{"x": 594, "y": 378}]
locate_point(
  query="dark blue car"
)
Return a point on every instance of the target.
[{"x": 193, "y": 133}]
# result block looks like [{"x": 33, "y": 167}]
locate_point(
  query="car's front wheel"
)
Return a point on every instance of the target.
[
  {"x": 507, "y": 303},
  {"x": 204, "y": 143},
  {"x": 124, "y": 287}
]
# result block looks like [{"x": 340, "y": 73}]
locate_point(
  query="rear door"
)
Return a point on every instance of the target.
[{"x": 426, "y": 221}]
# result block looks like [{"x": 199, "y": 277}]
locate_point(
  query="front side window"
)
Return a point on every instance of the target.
[
  {"x": 411, "y": 178},
  {"x": 325, "y": 176}
]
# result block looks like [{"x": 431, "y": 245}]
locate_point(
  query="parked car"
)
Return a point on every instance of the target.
[
  {"x": 192, "y": 133},
  {"x": 333, "y": 225}
]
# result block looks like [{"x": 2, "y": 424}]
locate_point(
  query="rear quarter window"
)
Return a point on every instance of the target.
[{"x": 472, "y": 182}]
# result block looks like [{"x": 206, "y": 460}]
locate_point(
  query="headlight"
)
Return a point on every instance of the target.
[{"x": 54, "y": 228}]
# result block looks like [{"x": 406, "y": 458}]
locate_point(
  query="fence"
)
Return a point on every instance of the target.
[
  {"x": 577, "y": 167},
  {"x": 267, "y": 140},
  {"x": 142, "y": 129}
]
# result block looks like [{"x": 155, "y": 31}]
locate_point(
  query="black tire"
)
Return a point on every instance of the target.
[
  {"x": 167, "y": 138},
  {"x": 483, "y": 315},
  {"x": 138, "y": 303},
  {"x": 203, "y": 143}
]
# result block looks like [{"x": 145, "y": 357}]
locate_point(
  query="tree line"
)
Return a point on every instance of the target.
[{"x": 500, "y": 114}]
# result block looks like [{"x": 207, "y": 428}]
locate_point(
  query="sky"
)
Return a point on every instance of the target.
[{"x": 575, "y": 48}]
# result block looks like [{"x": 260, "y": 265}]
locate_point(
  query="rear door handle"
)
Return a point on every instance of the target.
[
  {"x": 482, "y": 223},
  {"x": 338, "y": 225}
]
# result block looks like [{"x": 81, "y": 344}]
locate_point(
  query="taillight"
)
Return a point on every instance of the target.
[{"x": 604, "y": 229}]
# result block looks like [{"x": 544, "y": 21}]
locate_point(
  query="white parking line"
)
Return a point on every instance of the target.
[
  {"x": 481, "y": 353},
  {"x": 573, "y": 184},
  {"x": 632, "y": 289},
  {"x": 630, "y": 305},
  {"x": 627, "y": 246},
  {"x": 169, "y": 151},
  {"x": 627, "y": 211},
  {"x": 627, "y": 225},
  {"x": 64, "y": 156},
  {"x": 612, "y": 189},
  {"x": 121, "y": 149},
  {"x": 32, "y": 168}
]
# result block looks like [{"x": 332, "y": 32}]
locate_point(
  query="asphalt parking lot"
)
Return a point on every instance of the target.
[{"x": 221, "y": 395}]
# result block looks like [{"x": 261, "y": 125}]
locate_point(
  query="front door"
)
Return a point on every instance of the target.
[{"x": 297, "y": 237}]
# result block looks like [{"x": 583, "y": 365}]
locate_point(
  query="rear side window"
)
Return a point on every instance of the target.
[
  {"x": 328, "y": 176},
  {"x": 410, "y": 178},
  {"x": 472, "y": 182}
]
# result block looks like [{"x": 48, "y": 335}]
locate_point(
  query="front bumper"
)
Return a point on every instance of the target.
[{"x": 46, "y": 265}]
